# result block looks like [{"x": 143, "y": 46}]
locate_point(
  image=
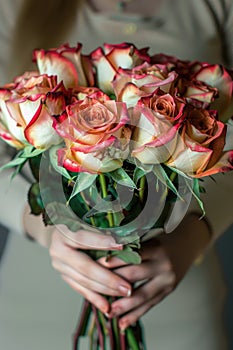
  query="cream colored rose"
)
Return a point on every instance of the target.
[
  {"x": 26, "y": 109},
  {"x": 95, "y": 134},
  {"x": 156, "y": 133}
]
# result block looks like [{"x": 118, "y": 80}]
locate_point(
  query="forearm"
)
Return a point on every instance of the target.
[
  {"x": 218, "y": 203},
  {"x": 13, "y": 196},
  {"x": 187, "y": 242},
  {"x": 35, "y": 228}
]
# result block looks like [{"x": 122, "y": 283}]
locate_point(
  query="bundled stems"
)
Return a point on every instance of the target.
[{"x": 99, "y": 327}]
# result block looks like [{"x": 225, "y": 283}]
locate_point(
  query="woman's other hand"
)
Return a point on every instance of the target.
[{"x": 165, "y": 261}]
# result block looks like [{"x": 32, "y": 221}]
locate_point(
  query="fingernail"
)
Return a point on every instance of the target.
[
  {"x": 122, "y": 326},
  {"x": 125, "y": 290}
]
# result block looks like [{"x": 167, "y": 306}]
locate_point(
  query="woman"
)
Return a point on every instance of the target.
[{"x": 169, "y": 27}]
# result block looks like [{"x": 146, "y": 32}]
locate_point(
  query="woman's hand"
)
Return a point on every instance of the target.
[
  {"x": 81, "y": 272},
  {"x": 67, "y": 251},
  {"x": 165, "y": 260}
]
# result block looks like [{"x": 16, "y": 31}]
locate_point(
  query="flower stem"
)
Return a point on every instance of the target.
[
  {"x": 103, "y": 185},
  {"x": 87, "y": 208},
  {"x": 142, "y": 188},
  {"x": 82, "y": 324},
  {"x": 122, "y": 340},
  {"x": 111, "y": 336},
  {"x": 101, "y": 336},
  {"x": 132, "y": 341}
]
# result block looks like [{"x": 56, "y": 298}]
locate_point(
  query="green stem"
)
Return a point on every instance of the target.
[
  {"x": 115, "y": 328},
  {"x": 173, "y": 176},
  {"x": 142, "y": 185},
  {"x": 92, "y": 333},
  {"x": 87, "y": 208},
  {"x": 132, "y": 341},
  {"x": 101, "y": 334},
  {"x": 83, "y": 323},
  {"x": 103, "y": 185}
]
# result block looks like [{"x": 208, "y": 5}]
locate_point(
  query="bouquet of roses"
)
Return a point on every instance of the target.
[{"x": 114, "y": 140}]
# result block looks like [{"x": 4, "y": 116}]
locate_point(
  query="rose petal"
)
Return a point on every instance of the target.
[
  {"x": 189, "y": 157},
  {"x": 39, "y": 132},
  {"x": 51, "y": 63},
  {"x": 104, "y": 70}
]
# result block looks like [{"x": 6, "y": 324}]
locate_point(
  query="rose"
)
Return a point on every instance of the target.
[
  {"x": 209, "y": 83},
  {"x": 80, "y": 93},
  {"x": 200, "y": 147},
  {"x": 67, "y": 63},
  {"x": 199, "y": 92},
  {"x": 158, "y": 118},
  {"x": 95, "y": 134},
  {"x": 110, "y": 58},
  {"x": 218, "y": 77},
  {"x": 26, "y": 109},
  {"x": 130, "y": 85},
  {"x": 197, "y": 79}
]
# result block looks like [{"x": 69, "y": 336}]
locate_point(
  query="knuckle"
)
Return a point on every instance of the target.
[{"x": 52, "y": 252}]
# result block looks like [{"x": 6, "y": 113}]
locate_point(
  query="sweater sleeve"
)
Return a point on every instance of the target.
[
  {"x": 218, "y": 202},
  {"x": 13, "y": 197}
]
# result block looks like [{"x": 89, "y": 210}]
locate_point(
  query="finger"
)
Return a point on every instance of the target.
[
  {"x": 88, "y": 240},
  {"x": 83, "y": 280},
  {"x": 90, "y": 269},
  {"x": 137, "y": 273},
  {"x": 145, "y": 292},
  {"x": 134, "y": 315},
  {"x": 96, "y": 299},
  {"x": 111, "y": 262}
]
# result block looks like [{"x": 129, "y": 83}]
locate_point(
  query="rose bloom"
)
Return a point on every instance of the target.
[
  {"x": 158, "y": 118},
  {"x": 26, "y": 109},
  {"x": 130, "y": 85},
  {"x": 67, "y": 63},
  {"x": 200, "y": 147},
  {"x": 95, "y": 134},
  {"x": 110, "y": 58},
  {"x": 211, "y": 83},
  {"x": 219, "y": 78}
]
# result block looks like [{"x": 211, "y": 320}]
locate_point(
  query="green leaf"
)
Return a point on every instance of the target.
[
  {"x": 84, "y": 181},
  {"x": 13, "y": 163},
  {"x": 121, "y": 177},
  {"x": 138, "y": 174},
  {"x": 179, "y": 172},
  {"x": 161, "y": 174},
  {"x": 54, "y": 161},
  {"x": 17, "y": 171},
  {"x": 21, "y": 158},
  {"x": 34, "y": 163},
  {"x": 128, "y": 255},
  {"x": 196, "y": 193},
  {"x": 30, "y": 151},
  {"x": 35, "y": 200}
]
